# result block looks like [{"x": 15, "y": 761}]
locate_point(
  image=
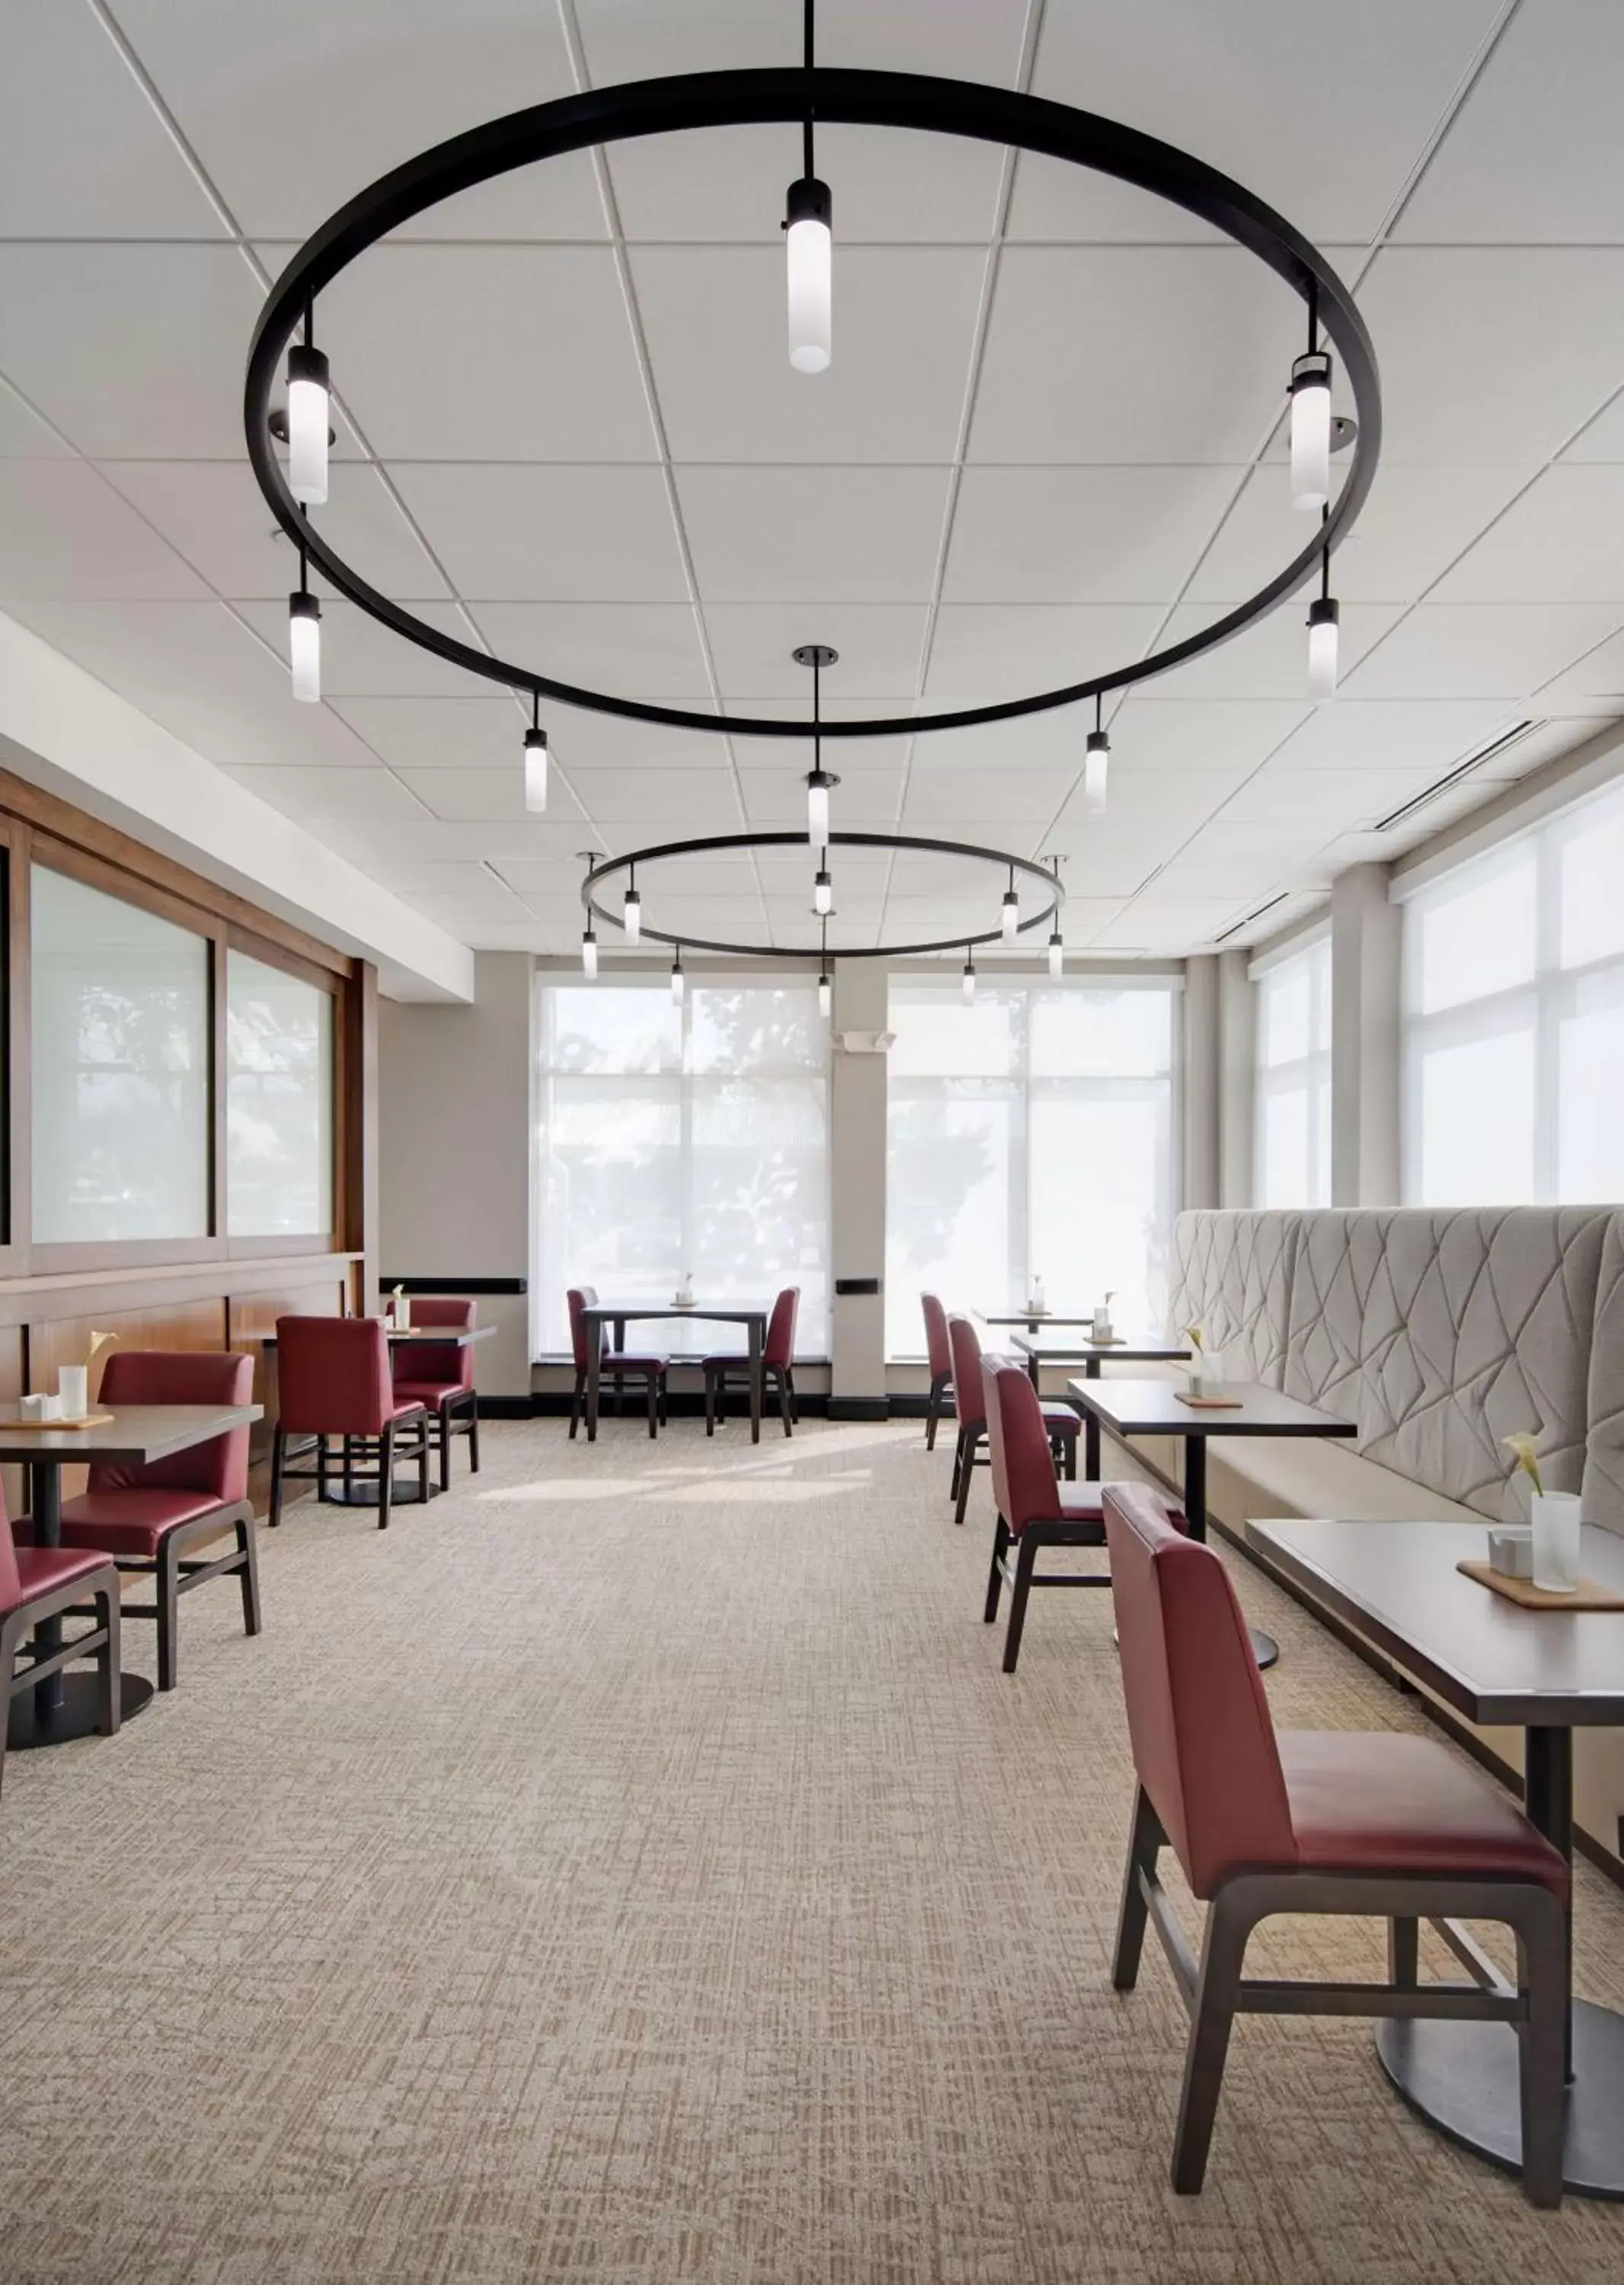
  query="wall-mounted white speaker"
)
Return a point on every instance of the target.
[{"x": 865, "y": 1043}]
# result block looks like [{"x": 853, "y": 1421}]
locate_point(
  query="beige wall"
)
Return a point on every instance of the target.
[{"x": 455, "y": 1144}]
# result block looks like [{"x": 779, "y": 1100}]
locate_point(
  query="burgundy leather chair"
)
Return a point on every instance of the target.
[
  {"x": 442, "y": 1379},
  {"x": 146, "y": 1519},
  {"x": 334, "y": 1379},
  {"x": 42, "y": 1582},
  {"x": 1391, "y": 1827},
  {"x": 1034, "y": 1511},
  {"x": 1060, "y": 1424},
  {"x": 939, "y": 1350},
  {"x": 777, "y": 1365},
  {"x": 621, "y": 1365}
]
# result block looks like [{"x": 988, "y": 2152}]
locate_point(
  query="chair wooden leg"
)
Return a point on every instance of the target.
[
  {"x": 966, "y": 1470},
  {"x": 278, "y": 1447},
  {"x": 654, "y": 1404},
  {"x": 248, "y": 1578},
  {"x": 109, "y": 1696},
  {"x": 386, "y": 1475},
  {"x": 1068, "y": 1458},
  {"x": 783, "y": 1402},
  {"x": 9, "y": 1636},
  {"x": 933, "y": 1412},
  {"x": 1404, "y": 1953},
  {"x": 710, "y": 1403},
  {"x": 168, "y": 1583},
  {"x": 795, "y": 1401},
  {"x": 1026, "y": 1556},
  {"x": 1223, "y": 1950},
  {"x": 1542, "y": 1944},
  {"x": 577, "y": 1403},
  {"x": 473, "y": 1438},
  {"x": 321, "y": 1468},
  {"x": 422, "y": 1460},
  {"x": 958, "y": 1462},
  {"x": 664, "y": 1400},
  {"x": 1144, "y": 1846},
  {"x": 995, "y": 1577}
]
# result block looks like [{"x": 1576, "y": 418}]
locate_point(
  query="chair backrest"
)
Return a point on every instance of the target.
[
  {"x": 779, "y": 1347},
  {"x": 333, "y": 1375},
  {"x": 1202, "y": 1735},
  {"x": 937, "y": 1348},
  {"x": 582, "y": 1297},
  {"x": 219, "y": 1467},
  {"x": 1023, "y": 1481},
  {"x": 964, "y": 1347},
  {"x": 426, "y": 1360},
  {"x": 10, "y": 1578}
]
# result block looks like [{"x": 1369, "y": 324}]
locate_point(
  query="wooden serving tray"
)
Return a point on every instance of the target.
[
  {"x": 1587, "y": 1595},
  {"x": 85, "y": 1420},
  {"x": 1210, "y": 1403}
]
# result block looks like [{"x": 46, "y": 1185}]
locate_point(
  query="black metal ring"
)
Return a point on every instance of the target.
[
  {"x": 863, "y": 98},
  {"x": 905, "y": 843}
]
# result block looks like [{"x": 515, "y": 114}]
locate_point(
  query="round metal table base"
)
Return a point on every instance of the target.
[
  {"x": 405, "y": 1493},
  {"x": 75, "y": 1716},
  {"x": 1266, "y": 1650},
  {"x": 1461, "y": 2077}
]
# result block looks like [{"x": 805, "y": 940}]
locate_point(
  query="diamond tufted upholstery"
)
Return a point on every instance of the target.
[{"x": 1232, "y": 1276}]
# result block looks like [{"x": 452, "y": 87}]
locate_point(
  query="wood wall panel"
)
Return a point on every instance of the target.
[
  {"x": 11, "y": 1389},
  {"x": 249, "y": 1318}
]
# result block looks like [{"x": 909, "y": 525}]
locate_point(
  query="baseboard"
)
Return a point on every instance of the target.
[
  {"x": 506, "y": 1408},
  {"x": 858, "y": 1407},
  {"x": 680, "y": 1404}
]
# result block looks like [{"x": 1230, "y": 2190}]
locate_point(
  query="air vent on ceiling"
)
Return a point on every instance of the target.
[
  {"x": 1452, "y": 778},
  {"x": 1236, "y": 927}
]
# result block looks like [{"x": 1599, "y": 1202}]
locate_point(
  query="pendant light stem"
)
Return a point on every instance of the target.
[
  {"x": 1324, "y": 558},
  {"x": 1314, "y": 315},
  {"x": 807, "y": 168}
]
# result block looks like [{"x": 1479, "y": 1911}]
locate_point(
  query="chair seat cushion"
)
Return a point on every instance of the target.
[
  {"x": 132, "y": 1522},
  {"x": 1396, "y": 1804},
  {"x": 41, "y": 1570},
  {"x": 1059, "y": 1420},
  {"x": 624, "y": 1360},
  {"x": 430, "y": 1393},
  {"x": 405, "y": 1408}
]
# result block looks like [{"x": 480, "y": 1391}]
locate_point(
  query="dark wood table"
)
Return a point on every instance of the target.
[
  {"x": 64, "y": 1706},
  {"x": 619, "y": 1315},
  {"x": 1154, "y": 1407},
  {"x": 1543, "y": 1672},
  {"x": 407, "y": 1489},
  {"x": 1040, "y": 1349}
]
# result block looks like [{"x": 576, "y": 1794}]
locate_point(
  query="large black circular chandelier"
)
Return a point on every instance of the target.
[{"x": 803, "y": 98}]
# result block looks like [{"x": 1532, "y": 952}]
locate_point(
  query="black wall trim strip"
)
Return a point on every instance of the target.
[{"x": 472, "y": 1286}]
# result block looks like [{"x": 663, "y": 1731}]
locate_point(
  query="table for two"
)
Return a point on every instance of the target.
[
  {"x": 344, "y": 1490},
  {"x": 618, "y": 1315}
]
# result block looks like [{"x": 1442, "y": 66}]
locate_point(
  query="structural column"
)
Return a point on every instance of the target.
[
  {"x": 1237, "y": 1029},
  {"x": 1365, "y": 985},
  {"x": 1200, "y": 1088},
  {"x": 857, "y": 1182}
]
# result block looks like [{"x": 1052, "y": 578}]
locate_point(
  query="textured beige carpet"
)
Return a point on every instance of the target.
[{"x": 636, "y": 1867}]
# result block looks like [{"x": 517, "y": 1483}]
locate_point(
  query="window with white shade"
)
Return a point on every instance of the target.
[
  {"x": 1514, "y": 1019},
  {"x": 279, "y": 1100},
  {"x": 1030, "y": 1134},
  {"x": 1291, "y": 1101},
  {"x": 683, "y": 1138}
]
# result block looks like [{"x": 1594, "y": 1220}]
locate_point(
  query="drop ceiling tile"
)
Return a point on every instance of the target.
[
  {"x": 472, "y": 917},
  {"x": 140, "y": 647},
  {"x": 64, "y": 533},
  {"x": 1602, "y": 439},
  {"x": 776, "y": 799},
  {"x": 267, "y": 731},
  {"x": 438, "y": 733},
  {"x": 525, "y": 533},
  {"x": 488, "y": 353},
  {"x": 1322, "y": 113},
  {"x": 1479, "y": 650},
  {"x": 313, "y": 794},
  {"x": 1088, "y": 356},
  {"x": 1101, "y": 535},
  {"x": 1593, "y": 684},
  {"x": 23, "y": 434},
  {"x": 984, "y": 806},
  {"x": 1269, "y": 660},
  {"x": 880, "y": 647},
  {"x": 1395, "y": 733},
  {"x": 1560, "y": 543},
  {"x": 801, "y": 534},
  {"x": 623, "y": 648},
  {"x": 904, "y": 326},
  {"x": 632, "y": 39},
  {"x": 1150, "y": 735},
  {"x": 1414, "y": 523},
  {"x": 1464, "y": 336},
  {"x": 848, "y": 758},
  {"x": 1332, "y": 801},
  {"x": 536, "y": 839},
  {"x": 410, "y": 876},
  {"x": 465, "y": 795},
  {"x": 368, "y": 87},
  {"x": 739, "y": 920},
  {"x": 984, "y": 653},
  {"x": 1241, "y": 878},
  {"x": 690, "y": 801},
  {"x": 1111, "y": 856},
  {"x": 133, "y": 352},
  {"x": 212, "y": 511},
  {"x": 362, "y": 659}
]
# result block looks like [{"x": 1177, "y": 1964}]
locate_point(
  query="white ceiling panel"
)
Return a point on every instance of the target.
[
  {"x": 1479, "y": 650},
  {"x": 1394, "y": 733},
  {"x": 1150, "y": 735},
  {"x": 410, "y": 876},
  {"x": 535, "y": 839},
  {"x": 738, "y": 920},
  {"x": 776, "y": 799},
  {"x": 100, "y": 166},
  {"x": 619, "y": 647},
  {"x": 467, "y": 796},
  {"x": 880, "y": 647},
  {"x": 64, "y": 533},
  {"x": 133, "y": 352},
  {"x": 1466, "y": 336},
  {"x": 1321, "y": 112},
  {"x": 1562, "y": 542},
  {"x": 1331, "y": 801},
  {"x": 472, "y": 916},
  {"x": 1269, "y": 660},
  {"x": 313, "y": 796},
  {"x": 1602, "y": 439},
  {"x": 295, "y": 108},
  {"x": 804, "y": 534},
  {"x": 983, "y": 653},
  {"x": 1593, "y": 684},
  {"x": 23, "y": 434},
  {"x": 360, "y": 658},
  {"x": 964, "y": 39},
  {"x": 850, "y": 759},
  {"x": 971, "y": 805},
  {"x": 1111, "y": 856},
  {"x": 1091, "y": 351},
  {"x": 526, "y": 533},
  {"x": 212, "y": 512},
  {"x": 438, "y": 733},
  {"x": 1104, "y": 535},
  {"x": 141, "y": 648},
  {"x": 904, "y": 326},
  {"x": 1169, "y": 925},
  {"x": 488, "y": 353},
  {"x": 1414, "y": 524},
  {"x": 689, "y": 801}
]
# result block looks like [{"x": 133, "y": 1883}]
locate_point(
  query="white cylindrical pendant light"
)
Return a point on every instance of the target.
[
  {"x": 304, "y": 645},
  {"x": 589, "y": 950},
  {"x": 1096, "y": 770},
  {"x": 1322, "y": 647},
  {"x": 1009, "y": 912},
  {"x": 823, "y": 893},
  {"x": 536, "y": 769},
  {"x": 810, "y": 247},
  {"x": 818, "y": 784},
  {"x": 825, "y": 994},
  {"x": 631, "y": 914},
  {"x": 969, "y": 976},
  {"x": 1057, "y": 954},
  {"x": 307, "y": 425},
  {"x": 1310, "y": 396},
  {"x": 679, "y": 981}
]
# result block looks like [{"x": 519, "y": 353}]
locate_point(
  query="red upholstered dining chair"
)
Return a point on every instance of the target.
[
  {"x": 42, "y": 1582},
  {"x": 620, "y": 1365},
  {"x": 1060, "y": 1423},
  {"x": 1390, "y": 1826},
  {"x": 939, "y": 1351},
  {"x": 332, "y": 1377},
  {"x": 441, "y": 1378},
  {"x": 777, "y": 1365},
  {"x": 1033, "y": 1509},
  {"x": 146, "y": 1519}
]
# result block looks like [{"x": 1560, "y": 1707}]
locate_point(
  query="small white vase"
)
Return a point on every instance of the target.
[
  {"x": 1102, "y": 1326},
  {"x": 1556, "y": 1541},
  {"x": 1207, "y": 1374},
  {"x": 74, "y": 1388}
]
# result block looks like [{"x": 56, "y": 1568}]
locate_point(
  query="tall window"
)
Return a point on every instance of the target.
[
  {"x": 1029, "y": 1135},
  {"x": 684, "y": 1138},
  {"x": 278, "y": 1102},
  {"x": 1292, "y": 1122},
  {"x": 1514, "y": 1019},
  {"x": 120, "y": 1043}
]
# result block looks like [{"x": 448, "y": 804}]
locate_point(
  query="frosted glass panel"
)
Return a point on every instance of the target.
[
  {"x": 278, "y": 1103},
  {"x": 1478, "y": 936},
  {"x": 1292, "y": 1122},
  {"x": 120, "y": 1048},
  {"x": 1476, "y": 1122}
]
